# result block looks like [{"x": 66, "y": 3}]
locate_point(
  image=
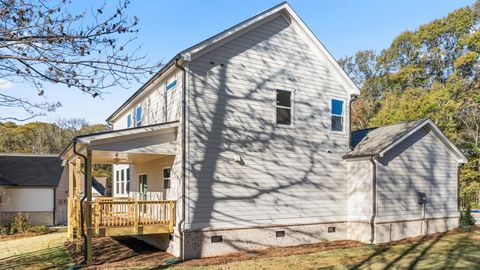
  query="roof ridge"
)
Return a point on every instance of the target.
[{"x": 399, "y": 123}]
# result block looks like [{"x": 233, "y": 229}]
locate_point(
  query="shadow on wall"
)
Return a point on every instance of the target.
[
  {"x": 418, "y": 164},
  {"x": 232, "y": 112}
]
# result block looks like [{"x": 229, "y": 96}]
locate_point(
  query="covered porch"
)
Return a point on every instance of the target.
[{"x": 131, "y": 212}]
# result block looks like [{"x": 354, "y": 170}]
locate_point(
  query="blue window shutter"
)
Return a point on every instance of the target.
[
  {"x": 138, "y": 115},
  {"x": 129, "y": 120}
]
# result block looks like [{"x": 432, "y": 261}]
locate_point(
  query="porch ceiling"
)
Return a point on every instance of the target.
[{"x": 127, "y": 146}]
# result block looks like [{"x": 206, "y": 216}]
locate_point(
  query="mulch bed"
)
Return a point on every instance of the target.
[{"x": 109, "y": 252}]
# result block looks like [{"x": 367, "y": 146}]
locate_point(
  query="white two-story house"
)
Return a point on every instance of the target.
[{"x": 243, "y": 141}]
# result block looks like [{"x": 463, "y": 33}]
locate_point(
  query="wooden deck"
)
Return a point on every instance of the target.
[{"x": 126, "y": 216}]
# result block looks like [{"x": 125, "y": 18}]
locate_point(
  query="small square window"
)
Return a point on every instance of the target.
[
  {"x": 331, "y": 229},
  {"x": 280, "y": 233},
  {"x": 283, "y": 106}
]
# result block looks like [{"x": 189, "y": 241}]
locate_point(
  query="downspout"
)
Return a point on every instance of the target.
[
  {"x": 374, "y": 199},
  {"x": 84, "y": 235},
  {"x": 54, "y": 205},
  {"x": 184, "y": 95},
  {"x": 352, "y": 99}
]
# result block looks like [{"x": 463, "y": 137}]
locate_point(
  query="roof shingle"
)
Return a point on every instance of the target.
[{"x": 30, "y": 170}]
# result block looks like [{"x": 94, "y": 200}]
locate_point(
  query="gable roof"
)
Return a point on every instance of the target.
[
  {"x": 30, "y": 170},
  {"x": 378, "y": 141},
  {"x": 208, "y": 44}
]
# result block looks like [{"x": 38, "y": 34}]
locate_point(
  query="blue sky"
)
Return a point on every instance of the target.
[{"x": 169, "y": 26}]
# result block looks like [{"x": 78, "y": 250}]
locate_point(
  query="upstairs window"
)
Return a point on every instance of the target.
[
  {"x": 283, "y": 106},
  {"x": 171, "y": 84},
  {"x": 129, "y": 120},
  {"x": 166, "y": 178},
  {"x": 138, "y": 116},
  {"x": 338, "y": 114}
]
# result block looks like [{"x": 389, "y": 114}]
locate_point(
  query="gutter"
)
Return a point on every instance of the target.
[
  {"x": 374, "y": 199},
  {"x": 184, "y": 95},
  {"x": 352, "y": 99},
  {"x": 84, "y": 235}
]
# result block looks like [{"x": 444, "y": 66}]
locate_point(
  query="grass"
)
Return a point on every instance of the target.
[
  {"x": 445, "y": 251},
  {"x": 450, "y": 251},
  {"x": 38, "y": 252}
]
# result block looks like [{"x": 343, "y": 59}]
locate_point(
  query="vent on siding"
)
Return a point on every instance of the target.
[
  {"x": 331, "y": 229},
  {"x": 216, "y": 239},
  {"x": 280, "y": 233}
]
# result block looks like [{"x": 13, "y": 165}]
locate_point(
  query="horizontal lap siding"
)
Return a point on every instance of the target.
[
  {"x": 418, "y": 164},
  {"x": 287, "y": 175}
]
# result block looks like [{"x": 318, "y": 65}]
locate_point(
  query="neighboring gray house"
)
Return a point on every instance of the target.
[
  {"x": 248, "y": 134},
  {"x": 35, "y": 185}
]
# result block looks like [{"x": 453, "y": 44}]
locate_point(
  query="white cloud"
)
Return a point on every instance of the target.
[{"x": 4, "y": 84}]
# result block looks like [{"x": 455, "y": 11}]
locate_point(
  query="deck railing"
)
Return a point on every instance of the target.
[{"x": 112, "y": 212}]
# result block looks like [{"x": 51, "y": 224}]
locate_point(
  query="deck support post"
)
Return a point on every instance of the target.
[
  {"x": 171, "y": 208},
  {"x": 70, "y": 213},
  {"x": 88, "y": 208}
]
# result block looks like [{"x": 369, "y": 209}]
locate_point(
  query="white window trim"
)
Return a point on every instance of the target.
[
  {"x": 292, "y": 108},
  {"x": 345, "y": 113},
  {"x": 163, "y": 178}
]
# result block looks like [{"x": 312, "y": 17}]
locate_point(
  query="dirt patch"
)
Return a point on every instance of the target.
[{"x": 109, "y": 252}]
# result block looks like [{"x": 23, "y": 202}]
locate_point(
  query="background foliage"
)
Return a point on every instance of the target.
[{"x": 432, "y": 72}]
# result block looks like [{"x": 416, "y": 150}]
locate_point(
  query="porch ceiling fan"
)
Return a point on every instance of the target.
[{"x": 117, "y": 160}]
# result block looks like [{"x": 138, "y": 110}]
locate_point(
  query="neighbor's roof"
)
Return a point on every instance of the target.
[
  {"x": 377, "y": 141},
  {"x": 30, "y": 170},
  {"x": 212, "y": 42}
]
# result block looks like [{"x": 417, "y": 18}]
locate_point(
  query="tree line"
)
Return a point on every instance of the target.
[{"x": 432, "y": 71}]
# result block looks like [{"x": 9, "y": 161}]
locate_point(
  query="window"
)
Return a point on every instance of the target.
[
  {"x": 129, "y": 120},
  {"x": 138, "y": 116},
  {"x": 117, "y": 182},
  {"x": 171, "y": 84},
  {"x": 122, "y": 182},
  {"x": 338, "y": 114},
  {"x": 166, "y": 178},
  {"x": 283, "y": 107},
  {"x": 128, "y": 180}
]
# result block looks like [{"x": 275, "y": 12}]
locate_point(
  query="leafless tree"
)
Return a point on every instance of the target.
[{"x": 45, "y": 42}]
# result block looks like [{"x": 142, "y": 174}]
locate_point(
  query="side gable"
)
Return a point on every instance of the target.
[
  {"x": 379, "y": 141},
  {"x": 289, "y": 14}
]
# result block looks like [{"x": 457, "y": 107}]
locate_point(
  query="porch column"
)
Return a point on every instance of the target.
[
  {"x": 88, "y": 212},
  {"x": 70, "y": 206},
  {"x": 78, "y": 188}
]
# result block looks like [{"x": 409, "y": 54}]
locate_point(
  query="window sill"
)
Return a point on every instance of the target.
[{"x": 280, "y": 126}]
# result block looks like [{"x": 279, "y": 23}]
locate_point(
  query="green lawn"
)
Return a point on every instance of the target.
[
  {"x": 37, "y": 252},
  {"x": 457, "y": 251}
]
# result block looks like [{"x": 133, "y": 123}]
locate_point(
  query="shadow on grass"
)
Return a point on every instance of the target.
[
  {"x": 435, "y": 252},
  {"x": 49, "y": 258}
]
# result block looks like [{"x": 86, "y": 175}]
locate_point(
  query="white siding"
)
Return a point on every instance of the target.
[
  {"x": 418, "y": 164},
  {"x": 158, "y": 104},
  {"x": 27, "y": 200},
  {"x": 287, "y": 174},
  {"x": 360, "y": 182}
]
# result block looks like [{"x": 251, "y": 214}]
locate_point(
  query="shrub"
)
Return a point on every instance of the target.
[
  {"x": 4, "y": 230},
  {"x": 466, "y": 219},
  {"x": 37, "y": 228},
  {"x": 20, "y": 223}
]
